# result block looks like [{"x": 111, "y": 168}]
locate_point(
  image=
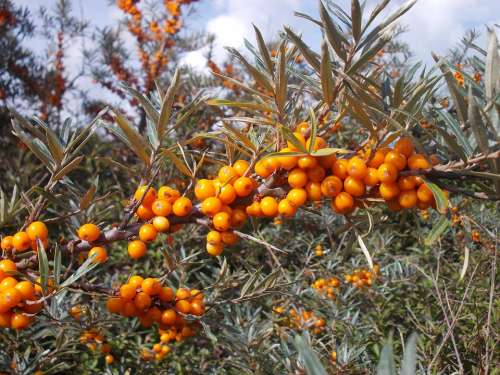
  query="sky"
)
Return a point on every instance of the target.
[{"x": 433, "y": 25}]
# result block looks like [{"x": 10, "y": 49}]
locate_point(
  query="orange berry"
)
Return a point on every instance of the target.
[
  {"x": 319, "y": 143},
  {"x": 7, "y": 244},
  {"x": 21, "y": 241},
  {"x": 302, "y": 128},
  {"x": 166, "y": 294},
  {"x": 19, "y": 321},
  {"x": 404, "y": 146},
  {"x": 129, "y": 309},
  {"x": 243, "y": 186},
  {"x": 7, "y": 283},
  {"x": 183, "y": 306},
  {"x": 287, "y": 208},
  {"x": 151, "y": 286},
  {"x": 222, "y": 221},
  {"x": 142, "y": 301},
  {"x": 214, "y": 237},
  {"x": 331, "y": 186},
  {"x": 397, "y": 159},
  {"x": 265, "y": 167},
  {"x": 136, "y": 281},
  {"x": 204, "y": 189},
  {"x": 197, "y": 308},
  {"x": 168, "y": 194},
  {"x": 388, "y": 190},
  {"x": 300, "y": 139},
  {"x": 313, "y": 190},
  {"x": 27, "y": 289},
  {"x": 227, "y": 194},
  {"x": 109, "y": 359},
  {"x": 127, "y": 292},
  {"x": 32, "y": 307},
  {"x": 5, "y": 319},
  {"x": 316, "y": 174},
  {"x": 136, "y": 249},
  {"x": 89, "y": 232},
  {"x": 371, "y": 178},
  {"x": 149, "y": 195},
  {"x": 182, "y": 206},
  {"x": 161, "y": 224},
  {"x": 307, "y": 161},
  {"x": 287, "y": 162},
  {"x": 161, "y": 207},
  {"x": 168, "y": 317},
  {"x": 34, "y": 244},
  {"x": 343, "y": 203},
  {"x": 101, "y": 254},
  {"x": 7, "y": 265},
  {"x": 297, "y": 178},
  {"x": 147, "y": 233},
  {"x": 339, "y": 168},
  {"x": 37, "y": 229},
  {"x": 387, "y": 172},
  {"x": 241, "y": 166},
  {"x": 327, "y": 161},
  {"x": 357, "y": 168},
  {"x": 407, "y": 182},
  {"x": 418, "y": 161},
  {"x": 394, "y": 205},
  {"x": 424, "y": 194},
  {"x": 378, "y": 157},
  {"x": 269, "y": 206},
  {"x": 211, "y": 206},
  {"x": 297, "y": 197},
  {"x": 145, "y": 213},
  {"x": 227, "y": 174},
  {"x": 215, "y": 249},
  {"x": 229, "y": 238},
  {"x": 408, "y": 198},
  {"x": 254, "y": 209},
  {"x": 354, "y": 186}
]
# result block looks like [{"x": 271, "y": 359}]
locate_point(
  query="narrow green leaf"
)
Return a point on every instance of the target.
[
  {"x": 326, "y": 74},
  {"x": 136, "y": 141},
  {"x": 356, "y": 16},
  {"x": 35, "y": 146},
  {"x": 476, "y": 123},
  {"x": 240, "y": 136},
  {"x": 386, "y": 364},
  {"x": 308, "y": 54},
  {"x": 314, "y": 130},
  {"x": 257, "y": 75},
  {"x": 457, "y": 132},
  {"x": 68, "y": 168},
  {"x": 385, "y": 38},
  {"x": 166, "y": 105},
  {"x": 333, "y": 35},
  {"x": 466, "y": 263},
  {"x": 243, "y": 105},
  {"x": 330, "y": 151},
  {"x": 243, "y": 86},
  {"x": 43, "y": 265},
  {"x": 281, "y": 79},
  {"x": 312, "y": 364},
  {"x": 264, "y": 52},
  {"x": 57, "y": 263},
  {"x": 437, "y": 230},
  {"x": 440, "y": 197},
  {"x": 146, "y": 104},
  {"x": 409, "y": 363},
  {"x": 451, "y": 141},
  {"x": 289, "y": 136},
  {"x": 87, "y": 197},
  {"x": 85, "y": 268},
  {"x": 492, "y": 67},
  {"x": 180, "y": 165}
]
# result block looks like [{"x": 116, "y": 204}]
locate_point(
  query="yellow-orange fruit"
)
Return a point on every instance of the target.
[
  {"x": 169, "y": 194},
  {"x": 424, "y": 194},
  {"x": 142, "y": 301},
  {"x": 371, "y": 178},
  {"x": 378, "y": 157},
  {"x": 297, "y": 178},
  {"x": 300, "y": 139},
  {"x": 161, "y": 207},
  {"x": 147, "y": 233},
  {"x": 145, "y": 213},
  {"x": 287, "y": 162},
  {"x": 151, "y": 286},
  {"x": 214, "y": 237},
  {"x": 407, "y": 182},
  {"x": 182, "y": 206},
  {"x": 229, "y": 238},
  {"x": 7, "y": 244},
  {"x": 19, "y": 321},
  {"x": 149, "y": 195},
  {"x": 404, "y": 146},
  {"x": 227, "y": 174},
  {"x": 5, "y": 319},
  {"x": 297, "y": 197},
  {"x": 408, "y": 198},
  {"x": 7, "y": 283},
  {"x": 313, "y": 190},
  {"x": 269, "y": 206},
  {"x": 26, "y": 288},
  {"x": 114, "y": 305},
  {"x": 21, "y": 241},
  {"x": 339, "y": 168},
  {"x": 316, "y": 174},
  {"x": 327, "y": 161},
  {"x": 319, "y": 143},
  {"x": 331, "y": 186},
  {"x": 397, "y": 159},
  {"x": 254, "y": 209},
  {"x": 211, "y": 206},
  {"x": 215, "y": 250},
  {"x": 286, "y": 208},
  {"x": 89, "y": 232},
  {"x": 238, "y": 217},
  {"x": 418, "y": 161},
  {"x": 183, "y": 306},
  {"x": 101, "y": 255},
  {"x": 204, "y": 189},
  {"x": 243, "y": 186},
  {"x": 136, "y": 281},
  {"x": 241, "y": 166},
  {"x": 388, "y": 190},
  {"x": 161, "y": 224},
  {"x": 356, "y": 167},
  {"x": 387, "y": 172},
  {"x": 221, "y": 221},
  {"x": 307, "y": 161},
  {"x": 127, "y": 292},
  {"x": 168, "y": 317},
  {"x": 7, "y": 265},
  {"x": 136, "y": 249},
  {"x": 37, "y": 229},
  {"x": 354, "y": 186},
  {"x": 265, "y": 167},
  {"x": 343, "y": 203},
  {"x": 227, "y": 194},
  {"x": 166, "y": 294}
]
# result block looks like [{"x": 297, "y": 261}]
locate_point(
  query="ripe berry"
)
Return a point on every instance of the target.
[
  {"x": 227, "y": 174},
  {"x": 339, "y": 168},
  {"x": 183, "y": 306},
  {"x": 265, "y": 167},
  {"x": 297, "y": 197},
  {"x": 408, "y": 198},
  {"x": 161, "y": 207},
  {"x": 115, "y": 305},
  {"x": 214, "y": 237},
  {"x": 371, "y": 178},
  {"x": 287, "y": 162},
  {"x": 343, "y": 203},
  {"x": 327, "y": 161},
  {"x": 89, "y": 232},
  {"x": 37, "y": 229},
  {"x": 418, "y": 161},
  {"x": 136, "y": 281},
  {"x": 354, "y": 186},
  {"x": 11, "y": 297},
  {"x": 229, "y": 238},
  {"x": 166, "y": 294},
  {"x": 215, "y": 249},
  {"x": 307, "y": 162},
  {"x": 8, "y": 282},
  {"x": 254, "y": 210},
  {"x": 142, "y": 301},
  {"x": 168, "y": 317},
  {"x": 21, "y": 241},
  {"x": 269, "y": 206},
  {"x": 286, "y": 208},
  {"x": 27, "y": 289},
  {"x": 151, "y": 286},
  {"x": 243, "y": 186},
  {"x": 19, "y": 321},
  {"x": 240, "y": 167},
  {"x": 161, "y": 224},
  {"x": 299, "y": 139},
  {"x": 7, "y": 265},
  {"x": 145, "y": 213},
  {"x": 127, "y": 292},
  {"x": 5, "y": 319},
  {"x": 149, "y": 196},
  {"x": 129, "y": 309},
  {"x": 227, "y": 194},
  {"x": 204, "y": 189},
  {"x": 331, "y": 186},
  {"x": 319, "y": 143},
  {"x": 7, "y": 244},
  {"x": 182, "y": 206},
  {"x": 424, "y": 194},
  {"x": 357, "y": 168},
  {"x": 387, "y": 172},
  {"x": 316, "y": 174},
  {"x": 378, "y": 157},
  {"x": 147, "y": 233},
  {"x": 109, "y": 359},
  {"x": 222, "y": 221},
  {"x": 297, "y": 178},
  {"x": 388, "y": 190},
  {"x": 169, "y": 194},
  {"x": 397, "y": 159},
  {"x": 404, "y": 146},
  {"x": 313, "y": 190},
  {"x": 101, "y": 254},
  {"x": 211, "y": 206},
  {"x": 407, "y": 182},
  {"x": 136, "y": 249}
]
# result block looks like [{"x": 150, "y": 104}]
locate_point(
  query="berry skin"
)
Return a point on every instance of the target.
[
  {"x": 149, "y": 196},
  {"x": 8, "y": 282},
  {"x": 424, "y": 194},
  {"x": 297, "y": 178},
  {"x": 404, "y": 146},
  {"x": 319, "y": 143},
  {"x": 89, "y": 232},
  {"x": 168, "y": 317},
  {"x": 101, "y": 254},
  {"x": 243, "y": 186},
  {"x": 19, "y": 321},
  {"x": 144, "y": 213},
  {"x": 211, "y": 206},
  {"x": 204, "y": 189},
  {"x": 265, "y": 167},
  {"x": 5, "y": 319},
  {"x": 136, "y": 281},
  {"x": 197, "y": 308},
  {"x": 407, "y": 182},
  {"x": 316, "y": 174},
  {"x": 387, "y": 172},
  {"x": 227, "y": 174},
  {"x": 254, "y": 210},
  {"x": 287, "y": 162},
  {"x": 286, "y": 208},
  {"x": 327, "y": 161},
  {"x": 21, "y": 241},
  {"x": 7, "y": 244},
  {"x": 303, "y": 128},
  {"x": 37, "y": 229},
  {"x": 408, "y": 198},
  {"x": 10, "y": 298},
  {"x": 297, "y": 197},
  {"x": 371, "y": 178},
  {"x": 354, "y": 186},
  {"x": 128, "y": 292},
  {"x": 269, "y": 206},
  {"x": 227, "y": 194},
  {"x": 343, "y": 203},
  {"x": 313, "y": 190},
  {"x": 147, "y": 233},
  {"x": 166, "y": 294},
  {"x": 142, "y": 301},
  {"x": 214, "y": 237},
  {"x": 151, "y": 286},
  {"x": 356, "y": 168},
  {"x": 215, "y": 250},
  {"x": 339, "y": 168},
  {"x": 7, "y": 265},
  {"x": 388, "y": 190},
  {"x": 115, "y": 305},
  {"x": 307, "y": 162},
  {"x": 378, "y": 157},
  {"x": 229, "y": 238},
  {"x": 136, "y": 249},
  {"x": 397, "y": 159},
  {"x": 241, "y": 166},
  {"x": 109, "y": 359},
  {"x": 182, "y": 206},
  {"x": 161, "y": 207},
  {"x": 299, "y": 139},
  {"x": 183, "y": 306},
  {"x": 169, "y": 194},
  {"x": 331, "y": 186},
  {"x": 222, "y": 221},
  {"x": 418, "y": 161},
  {"x": 27, "y": 289},
  {"x": 161, "y": 224}
]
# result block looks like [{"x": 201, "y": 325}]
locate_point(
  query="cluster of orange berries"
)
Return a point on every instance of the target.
[
  {"x": 153, "y": 303},
  {"x": 306, "y": 320},
  {"x": 25, "y": 240},
  {"x": 326, "y": 287},
  {"x": 94, "y": 340},
  {"x": 18, "y": 299},
  {"x": 363, "y": 277},
  {"x": 90, "y": 232},
  {"x": 157, "y": 352}
]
